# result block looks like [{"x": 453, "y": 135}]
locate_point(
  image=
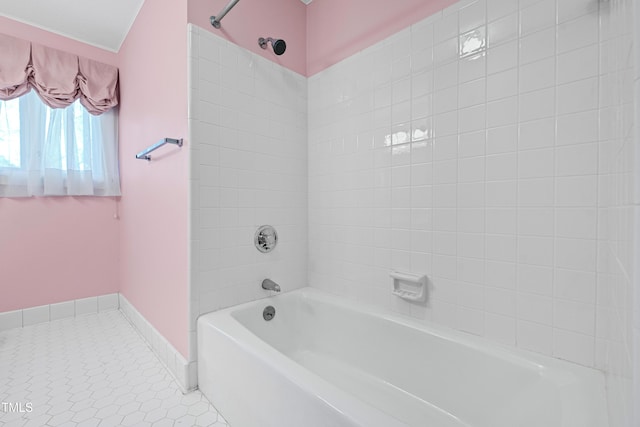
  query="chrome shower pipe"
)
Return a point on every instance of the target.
[{"x": 215, "y": 20}]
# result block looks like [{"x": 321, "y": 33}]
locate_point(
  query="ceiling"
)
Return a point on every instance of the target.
[{"x": 103, "y": 24}]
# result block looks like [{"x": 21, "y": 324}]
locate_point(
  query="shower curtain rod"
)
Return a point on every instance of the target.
[{"x": 215, "y": 20}]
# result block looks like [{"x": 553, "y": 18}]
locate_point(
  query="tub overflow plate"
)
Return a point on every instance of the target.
[{"x": 268, "y": 313}]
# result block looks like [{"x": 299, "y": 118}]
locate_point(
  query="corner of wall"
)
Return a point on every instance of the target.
[
  {"x": 154, "y": 203},
  {"x": 183, "y": 372}
]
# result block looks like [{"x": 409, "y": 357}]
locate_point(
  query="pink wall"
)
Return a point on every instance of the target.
[
  {"x": 27, "y": 32},
  {"x": 154, "y": 204},
  {"x": 336, "y": 29},
  {"x": 144, "y": 255},
  {"x": 56, "y": 249},
  {"x": 318, "y": 35},
  {"x": 252, "y": 19}
]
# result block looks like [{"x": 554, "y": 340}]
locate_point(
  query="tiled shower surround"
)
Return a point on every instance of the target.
[
  {"x": 248, "y": 125},
  {"x": 486, "y": 147},
  {"x": 489, "y": 146}
]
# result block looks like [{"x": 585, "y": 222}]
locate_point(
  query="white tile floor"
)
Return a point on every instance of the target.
[{"x": 94, "y": 370}]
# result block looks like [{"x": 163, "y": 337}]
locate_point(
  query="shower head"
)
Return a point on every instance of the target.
[{"x": 278, "y": 45}]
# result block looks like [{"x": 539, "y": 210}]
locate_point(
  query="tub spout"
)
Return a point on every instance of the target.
[{"x": 270, "y": 285}]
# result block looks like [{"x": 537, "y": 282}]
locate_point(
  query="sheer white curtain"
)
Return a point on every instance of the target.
[{"x": 57, "y": 152}]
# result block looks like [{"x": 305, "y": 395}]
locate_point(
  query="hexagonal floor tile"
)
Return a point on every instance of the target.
[{"x": 93, "y": 371}]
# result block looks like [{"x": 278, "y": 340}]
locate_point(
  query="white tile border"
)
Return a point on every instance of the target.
[
  {"x": 35, "y": 315},
  {"x": 183, "y": 371},
  {"x": 87, "y": 305},
  {"x": 10, "y": 320},
  {"x": 62, "y": 310}
]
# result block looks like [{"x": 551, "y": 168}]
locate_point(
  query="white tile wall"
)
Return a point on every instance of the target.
[
  {"x": 616, "y": 290},
  {"x": 486, "y": 169},
  {"x": 248, "y": 148},
  {"x": 488, "y": 146}
]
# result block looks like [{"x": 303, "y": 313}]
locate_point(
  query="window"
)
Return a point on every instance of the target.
[
  {"x": 58, "y": 123},
  {"x": 62, "y": 151}
]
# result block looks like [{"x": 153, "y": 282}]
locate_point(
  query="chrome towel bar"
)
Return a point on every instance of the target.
[{"x": 144, "y": 154}]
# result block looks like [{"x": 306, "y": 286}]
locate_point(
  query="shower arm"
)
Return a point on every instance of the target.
[
  {"x": 215, "y": 20},
  {"x": 262, "y": 41}
]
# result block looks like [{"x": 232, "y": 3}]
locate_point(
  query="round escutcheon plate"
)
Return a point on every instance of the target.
[{"x": 266, "y": 238}]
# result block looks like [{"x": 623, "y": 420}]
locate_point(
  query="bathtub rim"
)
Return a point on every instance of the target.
[{"x": 520, "y": 356}]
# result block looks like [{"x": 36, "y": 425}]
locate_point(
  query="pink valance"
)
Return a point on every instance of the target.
[{"x": 58, "y": 77}]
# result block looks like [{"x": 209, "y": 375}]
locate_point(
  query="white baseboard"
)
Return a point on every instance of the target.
[
  {"x": 62, "y": 310},
  {"x": 184, "y": 372}
]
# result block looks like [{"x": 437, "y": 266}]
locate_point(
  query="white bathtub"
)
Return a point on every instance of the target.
[{"x": 325, "y": 362}]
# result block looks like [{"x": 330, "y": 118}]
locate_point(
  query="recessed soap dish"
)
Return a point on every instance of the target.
[{"x": 412, "y": 287}]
